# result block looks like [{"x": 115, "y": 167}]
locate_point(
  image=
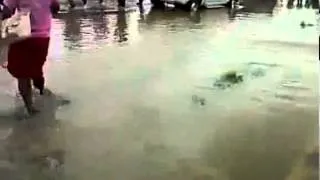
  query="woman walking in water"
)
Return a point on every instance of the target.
[{"x": 27, "y": 57}]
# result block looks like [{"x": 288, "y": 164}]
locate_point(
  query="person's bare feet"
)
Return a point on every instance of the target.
[
  {"x": 32, "y": 111},
  {"x": 4, "y": 65},
  {"x": 46, "y": 92},
  {"x": 41, "y": 92}
]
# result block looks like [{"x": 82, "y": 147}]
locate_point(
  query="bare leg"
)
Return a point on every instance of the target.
[
  {"x": 307, "y": 3},
  {"x": 140, "y": 3},
  {"x": 121, "y": 4},
  {"x": 39, "y": 84},
  {"x": 299, "y": 4},
  {"x": 290, "y": 4},
  {"x": 71, "y": 3},
  {"x": 25, "y": 89}
]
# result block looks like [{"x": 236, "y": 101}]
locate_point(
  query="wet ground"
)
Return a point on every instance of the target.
[{"x": 145, "y": 105}]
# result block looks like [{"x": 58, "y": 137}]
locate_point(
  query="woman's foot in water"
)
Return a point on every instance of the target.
[
  {"x": 32, "y": 111},
  {"x": 38, "y": 83},
  {"x": 4, "y": 65},
  {"x": 44, "y": 92},
  {"x": 38, "y": 91}
]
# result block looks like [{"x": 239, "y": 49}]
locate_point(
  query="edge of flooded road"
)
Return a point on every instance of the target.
[{"x": 96, "y": 11}]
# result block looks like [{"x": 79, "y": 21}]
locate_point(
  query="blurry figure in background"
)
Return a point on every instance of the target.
[
  {"x": 141, "y": 9},
  {"x": 140, "y": 3},
  {"x": 299, "y": 4},
  {"x": 121, "y": 5},
  {"x": 101, "y": 2},
  {"x": 315, "y": 4},
  {"x": 72, "y": 4},
  {"x": 27, "y": 57},
  {"x": 290, "y": 4},
  {"x": 307, "y": 4}
]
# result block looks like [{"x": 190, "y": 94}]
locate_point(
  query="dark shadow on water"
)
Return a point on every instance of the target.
[
  {"x": 232, "y": 14},
  {"x": 99, "y": 25},
  {"x": 72, "y": 31},
  {"x": 259, "y": 6},
  {"x": 195, "y": 17},
  {"x": 35, "y": 145},
  {"x": 159, "y": 15},
  {"x": 121, "y": 31},
  {"x": 78, "y": 29},
  {"x": 176, "y": 20}
]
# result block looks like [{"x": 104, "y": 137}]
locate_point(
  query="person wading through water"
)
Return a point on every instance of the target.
[{"x": 27, "y": 57}]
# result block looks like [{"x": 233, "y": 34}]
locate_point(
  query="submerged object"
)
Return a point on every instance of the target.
[
  {"x": 198, "y": 100},
  {"x": 228, "y": 79},
  {"x": 232, "y": 76},
  {"x": 304, "y": 24}
]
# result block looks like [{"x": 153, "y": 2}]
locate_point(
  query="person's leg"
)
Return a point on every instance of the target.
[
  {"x": 140, "y": 2},
  {"x": 39, "y": 59},
  {"x": 25, "y": 90},
  {"x": 315, "y": 4},
  {"x": 39, "y": 84},
  {"x": 299, "y": 4},
  {"x": 121, "y": 4},
  {"x": 290, "y": 4},
  {"x": 71, "y": 3}
]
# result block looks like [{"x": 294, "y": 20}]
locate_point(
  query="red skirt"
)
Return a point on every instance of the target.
[{"x": 27, "y": 57}]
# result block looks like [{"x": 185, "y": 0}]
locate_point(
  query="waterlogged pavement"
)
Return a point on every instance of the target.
[{"x": 144, "y": 104}]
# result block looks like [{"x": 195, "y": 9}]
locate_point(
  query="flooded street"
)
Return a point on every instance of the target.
[{"x": 144, "y": 105}]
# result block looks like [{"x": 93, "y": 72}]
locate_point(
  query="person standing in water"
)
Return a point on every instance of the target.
[{"x": 27, "y": 57}]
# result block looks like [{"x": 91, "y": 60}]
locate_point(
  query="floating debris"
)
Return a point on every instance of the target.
[
  {"x": 304, "y": 24},
  {"x": 259, "y": 72},
  {"x": 228, "y": 79},
  {"x": 202, "y": 101},
  {"x": 198, "y": 100}
]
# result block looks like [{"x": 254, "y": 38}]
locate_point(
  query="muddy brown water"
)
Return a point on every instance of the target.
[{"x": 132, "y": 79}]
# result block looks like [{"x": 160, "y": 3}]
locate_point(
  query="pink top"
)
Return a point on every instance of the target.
[{"x": 40, "y": 13}]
